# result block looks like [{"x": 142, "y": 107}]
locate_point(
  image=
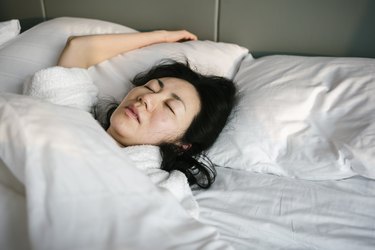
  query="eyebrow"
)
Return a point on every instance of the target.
[
  {"x": 161, "y": 84},
  {"x": 175, "y": 96}
]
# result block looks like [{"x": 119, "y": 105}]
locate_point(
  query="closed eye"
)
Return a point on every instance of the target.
[
  {"x": 147, "y": 87},
  {"x": 170, "y": 108}
]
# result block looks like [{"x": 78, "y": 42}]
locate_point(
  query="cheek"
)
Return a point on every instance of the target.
[
  {"x": 117, "y": 121},
  {"x": 164, "y": 128},
  {"x": 160, "y": 122}
]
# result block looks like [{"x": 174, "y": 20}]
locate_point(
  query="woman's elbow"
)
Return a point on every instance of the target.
[{"x": 71, "y": 55}]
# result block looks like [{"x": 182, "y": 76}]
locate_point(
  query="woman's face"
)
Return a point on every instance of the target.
[{"x": 159, "y": 111}]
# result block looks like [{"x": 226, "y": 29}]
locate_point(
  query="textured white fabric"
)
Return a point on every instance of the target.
[
  {"x": 148, "y": 159},
  {"x": 64, "y": 86},
  {"x": 82, "y": 190}
]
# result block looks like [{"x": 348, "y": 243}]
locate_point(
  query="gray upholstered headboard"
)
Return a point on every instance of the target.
[{"x": 302, "y": 27}]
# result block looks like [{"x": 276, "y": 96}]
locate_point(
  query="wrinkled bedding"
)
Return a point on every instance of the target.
[
  {"x": 68, "y": 194},
  {"x": 260, "y": 211},
  {"x": 296, "y": 162}
]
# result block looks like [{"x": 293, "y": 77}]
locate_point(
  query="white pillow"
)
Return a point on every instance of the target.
[
  {"x": 9, "y": 30},
  {"x": 113, "y": 76},
  {"x": 41, "y": 46},
  {"x": 306, "y": 117}
]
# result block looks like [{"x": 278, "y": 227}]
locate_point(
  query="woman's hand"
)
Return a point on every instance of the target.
[{"x": 177, "y": 36}]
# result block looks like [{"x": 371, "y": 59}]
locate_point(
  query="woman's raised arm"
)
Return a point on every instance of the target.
[{"x": 85, "y": 51}]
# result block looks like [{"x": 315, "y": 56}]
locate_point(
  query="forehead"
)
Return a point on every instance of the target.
[
  {"x": 179, "y": 86},
  {"x": 184, "y": 90}
]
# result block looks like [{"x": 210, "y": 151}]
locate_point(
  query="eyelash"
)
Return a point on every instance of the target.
[
  {"x": 166, "y": 104},
  {"x": 147, "y": 87},
  {"x": 169, "y": 107}
]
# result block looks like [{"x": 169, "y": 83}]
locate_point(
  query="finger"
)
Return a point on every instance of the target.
[{"x": 190, "y": 36}]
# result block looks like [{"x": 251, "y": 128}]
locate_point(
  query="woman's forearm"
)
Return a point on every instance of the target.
[{"x": 85, "y": 51}]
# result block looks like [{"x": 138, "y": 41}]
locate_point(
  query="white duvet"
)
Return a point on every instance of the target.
[{"x": 67, "y": 193}]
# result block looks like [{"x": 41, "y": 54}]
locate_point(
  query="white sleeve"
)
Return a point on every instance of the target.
[
  {"x": 148, "y": 159},
  {"x": 64, "y": 86}
]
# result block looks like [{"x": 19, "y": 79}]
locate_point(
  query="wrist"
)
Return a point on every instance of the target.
[{"x": 161, "y": 36}]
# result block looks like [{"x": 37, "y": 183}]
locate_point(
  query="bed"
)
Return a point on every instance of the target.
[{"x": 295, "y": 163}]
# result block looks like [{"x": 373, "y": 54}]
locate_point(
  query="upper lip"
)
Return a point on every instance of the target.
[{"x": 135, "y": 111}]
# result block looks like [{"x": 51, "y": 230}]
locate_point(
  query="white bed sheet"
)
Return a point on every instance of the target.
[{"x": 261, "y": 211}]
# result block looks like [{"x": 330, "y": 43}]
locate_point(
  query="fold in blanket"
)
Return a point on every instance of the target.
[{"x": 83, "y": 191}]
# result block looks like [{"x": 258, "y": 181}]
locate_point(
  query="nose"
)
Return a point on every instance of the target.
[{"x": 150, "y": 100}]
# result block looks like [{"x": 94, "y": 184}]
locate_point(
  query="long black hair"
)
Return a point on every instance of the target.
[{"x": 217, "y": 97}]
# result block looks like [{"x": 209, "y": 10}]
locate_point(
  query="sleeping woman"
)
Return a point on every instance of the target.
[{"x": 171, "y": 106}]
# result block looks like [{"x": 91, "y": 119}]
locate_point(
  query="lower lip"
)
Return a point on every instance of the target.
[{"x": 130, "y": 113}]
